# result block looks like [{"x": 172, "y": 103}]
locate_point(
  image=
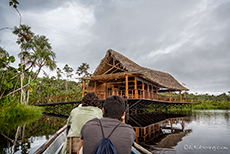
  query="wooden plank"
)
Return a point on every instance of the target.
[
  {"x": 141, "y": 149},
  {"x": 114, "y": 66},
  {"x": 51, "y": 139}
]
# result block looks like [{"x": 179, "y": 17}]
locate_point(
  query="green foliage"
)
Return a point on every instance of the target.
[
  {"x": 83, "y": 70},
  {"x": 206, "y": 105},
  {"x": 8, "y": 74},
  {"x": 11, "y": 108},
  {"x": 13, "y": 3},
  {"x": 36, "y": 51},
  {"x": 13, "y": 113},
  {"x": 46, "y": 87},
  {"x": 5, "y": 59}
]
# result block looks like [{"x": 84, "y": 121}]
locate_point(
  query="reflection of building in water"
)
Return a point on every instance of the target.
[{"x": 150, "y": 126}]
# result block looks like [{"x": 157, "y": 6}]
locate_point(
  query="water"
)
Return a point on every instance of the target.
[
  {"x": 210, "y": 133},
  {"x": 35, "y": 133},
  {"x": 205, "y": 132}
]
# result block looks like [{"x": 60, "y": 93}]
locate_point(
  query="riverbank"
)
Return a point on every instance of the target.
[
  {"x": 212, "y": 105},
  {"x": 11, "y": 110}
]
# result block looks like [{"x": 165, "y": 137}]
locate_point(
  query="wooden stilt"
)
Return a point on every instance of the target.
[
  {"x": 180, "y": 96},
  {"x": 182, "y": 123},
  {"x": 171, "y": 122},
  {"x": 144, "y": 133}
]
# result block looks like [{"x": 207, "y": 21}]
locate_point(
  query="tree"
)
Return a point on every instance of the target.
[
  {"x": 25, "y": 36},
  {"x": 36, "y": 52},
  {"x": 68, "y": 70},
  {"x": 7, "y": 74},
  {"x": 42, "y": 54},
  {"x": 83, "y": 70},
  {"x": 15, "y": 4},
  {"x": 59, "y": 72}
]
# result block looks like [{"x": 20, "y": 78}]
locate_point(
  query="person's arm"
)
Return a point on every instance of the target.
[
  {"x": 68, "y": 124},
  {"x": 80, "y": 145}
]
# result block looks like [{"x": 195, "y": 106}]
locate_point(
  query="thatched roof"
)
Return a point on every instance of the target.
[{"x": 159, "y": 78}]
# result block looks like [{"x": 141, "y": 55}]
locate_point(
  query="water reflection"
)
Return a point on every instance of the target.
[
  {"x": 204, "y": 132},
  {"x": 29, "y": 135}
]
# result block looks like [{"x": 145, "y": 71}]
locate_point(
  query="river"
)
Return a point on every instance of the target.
[{"x": 206, "y": 131}]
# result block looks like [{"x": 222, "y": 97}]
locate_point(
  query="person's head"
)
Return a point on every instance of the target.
[
  {"x": 90, "y": 99},
  {"x": 114, "y": 107}
]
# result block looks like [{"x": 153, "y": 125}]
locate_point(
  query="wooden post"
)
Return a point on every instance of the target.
[
  {"x": 135, "y": 87},
  {"x": 95, "y": 86},
  {"x": 148, "y": 91},
  {"x": 170, "y": 96},
  {"x": 113, "y": 91},
  {"x": 144, "y": 133},
  {"x": 137, "y": 134},
  {"x": 182, "y": 123},
  {"x": 143, "y": 88},
  {"x": 106, "y": 91},
  {"x": 171, "y": 125},
  {"x": 126, "y": 85},
  {"x": 83, "y": 89},
  {"x": 157, "y": 92},
  {"x": 180, "y": 96},
  {"x": 151, "y": 92}
]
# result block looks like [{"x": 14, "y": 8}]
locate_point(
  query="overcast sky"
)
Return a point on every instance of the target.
[{"x": 189, "y": 39}]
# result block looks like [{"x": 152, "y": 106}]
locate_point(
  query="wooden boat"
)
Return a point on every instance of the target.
[{"x": 55, "y": 143}]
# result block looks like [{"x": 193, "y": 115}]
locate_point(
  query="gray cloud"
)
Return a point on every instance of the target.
[{"x": 188, "y": 39}]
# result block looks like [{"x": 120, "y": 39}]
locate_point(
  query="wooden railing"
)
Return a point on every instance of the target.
[
  {"x": 55, "y": 99},
  {"x": 132, "y": 94},
  {"x": 139, "y": 93}
]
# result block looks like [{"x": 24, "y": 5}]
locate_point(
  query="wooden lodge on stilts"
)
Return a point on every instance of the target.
[
  {"x": 142, "y": 88},
  {"x": 118, "y": 75}
]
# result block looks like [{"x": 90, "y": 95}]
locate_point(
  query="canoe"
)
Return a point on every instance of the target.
[{"x": 56, "y": 142}]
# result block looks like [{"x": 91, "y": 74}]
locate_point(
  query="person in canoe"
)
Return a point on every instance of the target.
[
  {"x": 80, "y": 115},
  {"x": 109, "y": 132}
]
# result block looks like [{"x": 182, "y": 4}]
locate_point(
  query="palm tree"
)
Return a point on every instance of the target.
[
  {"x": 42, "y": 55},
  {"x": 25, "y": 36},
  {"x": 68, "y": 70},
  {"x": 36, "y": 51},
  {"x": 83, "y": 70}
]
